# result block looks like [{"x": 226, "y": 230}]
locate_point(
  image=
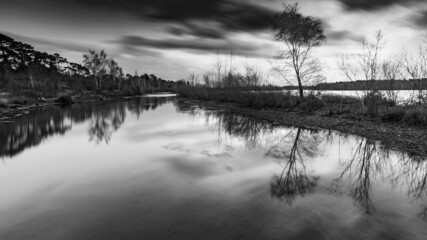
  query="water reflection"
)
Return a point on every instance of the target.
[
  {"x": 413, "y": 174},
  {"x": 105, "y": 118},
  {"x": 294, "y": 180},
  {"x": 31, "y": 131},
  {"x": 362, "y": 167},
  {"x": 366, "y": 163},
  {"x": 105, "y": 122}
]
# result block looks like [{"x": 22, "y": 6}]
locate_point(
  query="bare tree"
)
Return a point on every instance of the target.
[
  {"x": 300, "y": 35},
  {"x": 364, "y": 65},
  {"x": 218, "y": 66},
  {"x": 415, "y": 65},
  {"x": 251, "y": 76},
  {"x": 391, "y": 70},
  {"x": 369, "y": 58},
  {"x": 193, "y": 79}
]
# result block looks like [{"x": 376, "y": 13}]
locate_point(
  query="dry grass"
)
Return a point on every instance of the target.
[{"x": 372, "y": 107}]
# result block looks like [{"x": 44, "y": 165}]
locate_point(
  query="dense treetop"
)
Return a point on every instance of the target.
[{"x": 18, "y": 56}]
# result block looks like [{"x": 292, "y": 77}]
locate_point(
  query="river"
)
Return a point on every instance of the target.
[{"x": 155, "y": 168}]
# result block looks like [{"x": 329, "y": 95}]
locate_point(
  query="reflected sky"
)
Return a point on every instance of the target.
[{"x": 155, "y": 168}]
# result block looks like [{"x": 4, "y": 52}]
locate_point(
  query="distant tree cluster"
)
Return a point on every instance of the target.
[
  {"x": 26, "y": 71},
  {"x": 224, "y": 75},
  {"x": 148, "y": 83}
]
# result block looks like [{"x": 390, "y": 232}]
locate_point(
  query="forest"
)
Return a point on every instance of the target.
[{"x": 27, "y": 72}]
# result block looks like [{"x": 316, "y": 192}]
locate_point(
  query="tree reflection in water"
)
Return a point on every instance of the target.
[
  {"x": 294, "y": 180},
  {"x": 366, "y": 164},
  {"x": 371, "y": 163},
  {"x": 104, "y": 119},
  {"x": 292, "y": 147},
  {"x": 31, "y": 130},
  {"x": 251, "y": 130},
  {"x": 412, "y": 173}
]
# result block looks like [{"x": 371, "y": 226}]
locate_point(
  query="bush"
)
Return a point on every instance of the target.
[
  {"x": 18, "y": 100},
  {"x": 311, "y": 103},
  {"x": 409, "y": 115},
  {"x": 375, "y": 100},
  {"x": 64, "y": 100},
  {"x": 392, "y": 115},
  {"x": 416, "y": 116}
]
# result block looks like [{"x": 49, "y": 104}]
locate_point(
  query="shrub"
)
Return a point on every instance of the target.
[
  {"x": 311, "y": 103},
  {"x": 410, "y": 115},
  {"x": 416, "y": 116},
  {"x": 64, "y": 100},
  {"x": 375, "y": 100},
  {"x": 20, "y": 100},
  {"x": 392, "y": 114}
]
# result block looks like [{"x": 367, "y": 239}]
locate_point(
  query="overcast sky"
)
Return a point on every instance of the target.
[{"x": 172, "y": 38}]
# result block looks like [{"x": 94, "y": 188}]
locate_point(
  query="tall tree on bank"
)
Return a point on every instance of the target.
[
  {"x": 300, "y": 35},
  {"x": 116, "y": 73},
  {"x": 100, "y": 65},
  {"x": 97, "y": 63}
]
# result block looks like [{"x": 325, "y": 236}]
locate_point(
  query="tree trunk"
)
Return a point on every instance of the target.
[
  {"x": 100, "y": 84},
  {"x": 31, "y": 76},
  {"x": 301, "y": 90},
  {"x": 96, "y": 83}
]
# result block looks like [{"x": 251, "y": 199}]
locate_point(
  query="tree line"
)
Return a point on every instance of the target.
[
  {"x": 365, "y": 85},
  {"x": 25, "y": 71}
]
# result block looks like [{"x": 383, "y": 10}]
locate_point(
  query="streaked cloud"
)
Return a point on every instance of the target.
[
  {"x": 375, "y": 5},
  {"x": 172, "y": 38}
]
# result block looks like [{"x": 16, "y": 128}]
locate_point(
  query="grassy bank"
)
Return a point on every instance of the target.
[{"x": 371, "y": 107}]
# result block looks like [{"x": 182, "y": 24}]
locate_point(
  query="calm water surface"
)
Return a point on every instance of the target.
[{"x": 153, "y": 168}]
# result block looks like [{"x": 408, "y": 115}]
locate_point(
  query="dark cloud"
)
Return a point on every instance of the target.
[
  {"x": 234, "y": 15},
  {"x": 374, "y": 5},
  {"x": 420, "y": 19},
  {"x": 242, "y": 48},
  {"x": 209, "y": 31},
  {"x": 140, "y": 51}
]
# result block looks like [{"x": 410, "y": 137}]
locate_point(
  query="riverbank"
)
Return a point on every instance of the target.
[{"x": 400, "y": 137}]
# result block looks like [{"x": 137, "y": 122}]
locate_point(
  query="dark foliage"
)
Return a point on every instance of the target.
[
  {"x": 34, "y": 74},
  {"x": 64, "y": 100},
  {"x": 291, "y": 26}
]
